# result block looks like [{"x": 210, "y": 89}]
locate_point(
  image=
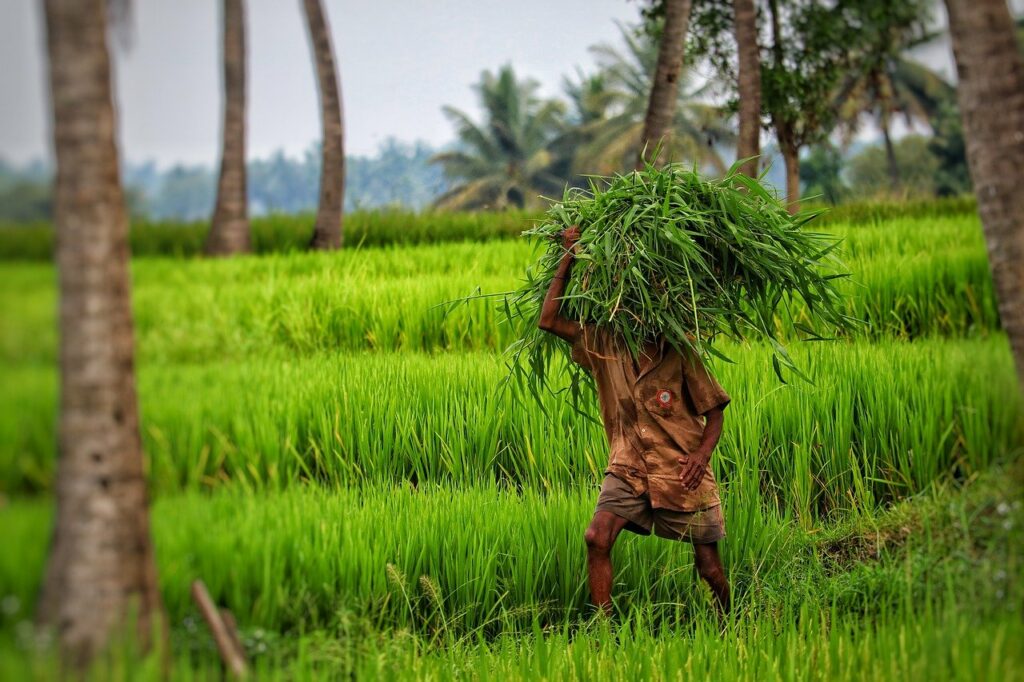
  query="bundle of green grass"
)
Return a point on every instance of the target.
[{"x": 665, "y": 252}]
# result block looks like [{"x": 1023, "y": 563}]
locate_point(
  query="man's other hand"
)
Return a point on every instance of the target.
[
  {"x": 570, "y": 236},
  {"x": 693, "y": 470}
]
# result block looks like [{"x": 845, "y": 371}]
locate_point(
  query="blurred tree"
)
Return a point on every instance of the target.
[
  {"x": 664, "y": 88},
  {"x": 229, "y": 228},
  {"x": 279, "y": 184},
  {"x": 100, "y": 570},
  {"x": 748, "y": 84},
  {"x": 884, "y": 81},
  {"x": 328, "y": 231},
  {"x": 613, "y": 139},
  {"x": 186, "y": 193},
  {"x": 506, "y": 160},
  {"x": 24, "y": 201},
  {"x": 869, "y": 170},
  {"x": 809, "y": 48},
  {"x": 820, "y": 173},
  {"x": 805, "y": 48},
  {"x": 947, "y": 145},
  {"x": 400, "y": 174},
  {"x": 991, "y": 95}
]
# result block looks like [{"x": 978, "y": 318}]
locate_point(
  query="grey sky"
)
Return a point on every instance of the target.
[{"x": 400, "y": 60}]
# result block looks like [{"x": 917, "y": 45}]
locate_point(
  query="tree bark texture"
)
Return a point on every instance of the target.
[
  {"x": 661, "y": 107},
  {"x": 100, "y": 567},
  {"x": 791, "y": 158},
  {"x": 748, "y": 143},
  {"x": 991, "y": 97},
  {"x": 229, "y": 228},
  {"x": 327, "y": 234}
]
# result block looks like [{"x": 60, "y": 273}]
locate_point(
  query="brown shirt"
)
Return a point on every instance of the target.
[{"x": 652, "y": 415}]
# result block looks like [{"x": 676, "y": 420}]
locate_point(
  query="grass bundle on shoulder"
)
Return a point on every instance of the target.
[{"x": 666, "y": 252}]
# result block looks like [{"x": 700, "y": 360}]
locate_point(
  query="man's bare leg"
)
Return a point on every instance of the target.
[
  {"x": 710, "y": 569},
  {"x": 604, "y": 528}
]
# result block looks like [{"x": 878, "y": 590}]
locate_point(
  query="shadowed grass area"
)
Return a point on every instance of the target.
[{"x": 443, "y": 581}]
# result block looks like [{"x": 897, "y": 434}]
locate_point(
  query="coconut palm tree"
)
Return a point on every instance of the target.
[
  {"x": 229, "y": 227},
  {"x": 891, "y": 84},
  {"x": 505, "y": 161},
  {"x": 748, "y": 142},
  {"x": 615, "y": 139},
  {"x": 101, "y": 565},
  {"x": 664, "y": 91},
  {"x": 990, "y": 90},
  {"x": 327, "y": 234}
]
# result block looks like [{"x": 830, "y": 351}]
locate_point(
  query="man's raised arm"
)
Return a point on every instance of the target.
[{"x": 551, "y": 318}]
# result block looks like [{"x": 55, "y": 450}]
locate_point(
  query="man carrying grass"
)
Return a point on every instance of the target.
[{"x": 663, "y": 414}]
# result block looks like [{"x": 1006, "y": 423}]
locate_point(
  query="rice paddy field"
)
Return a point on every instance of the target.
[{"x": 330, "y": 449}]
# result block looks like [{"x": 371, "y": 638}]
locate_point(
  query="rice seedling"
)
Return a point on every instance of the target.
[
  {"x": 939, "y": 644},
  {"x": 457, "y": 562},
  {"x": 909, "y": 279},
  {"x": 882, "y": 421}
]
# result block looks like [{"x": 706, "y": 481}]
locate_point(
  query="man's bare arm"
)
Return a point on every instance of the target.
[
  {"x": 693, "y": 468},
  {"x": 551, "y": 318}
]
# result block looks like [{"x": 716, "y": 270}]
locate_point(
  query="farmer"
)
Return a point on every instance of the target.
[{"x": 663, "y": 416}]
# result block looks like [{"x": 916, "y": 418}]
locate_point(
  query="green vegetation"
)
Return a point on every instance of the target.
[
  {"x": 291, "y": 233},
  {"x": 882, "y": 421},
  {"x": 667, "y": 254},
  {"x": 330, "y": 454},
  {"x": 909, "y": 278},
  {"x": 448, "y": 581}
]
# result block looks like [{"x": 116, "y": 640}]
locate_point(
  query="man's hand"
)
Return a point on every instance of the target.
[
  {"x": 694, "y": 466},
  {"x": 570, "y": 236},
  {"x": 693, "y": 469}
]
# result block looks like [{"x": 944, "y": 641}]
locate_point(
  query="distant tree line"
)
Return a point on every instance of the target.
[
  {"x": 398, "y": 175},
  {"x": 811, "y": 74}
]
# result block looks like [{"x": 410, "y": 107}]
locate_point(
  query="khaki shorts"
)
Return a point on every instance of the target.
[{"x": 699, "y": 527}]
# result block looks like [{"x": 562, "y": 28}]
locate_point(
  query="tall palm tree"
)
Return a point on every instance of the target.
[
  {"x": 664, "y": 94},
  {"x": 748, "y": 142},
  {"x": 991, "y": 95},
  {"x": 101, "y": 559},
  {"x": 615, "y": 139},
  {"x": 505, "y": 161},
  {"x": 888, "y": 87},
  {"x": 229, "y": 228},
  {"x": 327, "y": 233}
]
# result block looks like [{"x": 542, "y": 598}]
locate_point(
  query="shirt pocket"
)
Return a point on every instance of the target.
[{"x": 662, "y": 401}]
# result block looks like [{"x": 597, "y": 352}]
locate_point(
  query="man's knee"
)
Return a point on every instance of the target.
[{"x": 598, "y": 537}]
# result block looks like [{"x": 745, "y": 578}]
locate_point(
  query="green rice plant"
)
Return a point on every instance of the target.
[
  {"x": 883, "y": 421},
  {"x": 665, "y": 253},
  {"x": 476, "y": 561},
  {"x": 936, "y": 644},
  {"x": 278, "y": 233},
  {"x": 908, "y": 279}
]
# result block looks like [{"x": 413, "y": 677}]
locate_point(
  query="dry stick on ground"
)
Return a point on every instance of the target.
[{"x": 225, "y": 634}]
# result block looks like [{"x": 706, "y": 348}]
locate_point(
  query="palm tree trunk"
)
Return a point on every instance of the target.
[
  {"x": 791, "y": 158},
  {"x": 229, "y": 229},
  {"x": 661, "y": 107},
  {"x": 991, "y": 97},
  {"x": 890, "y": 152},
  {"x": 883, "y": 86},
  {"x": 749, "y": 142},
  {"x": 328, "y": 231},
  {"x": 101, "y": 566}
]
